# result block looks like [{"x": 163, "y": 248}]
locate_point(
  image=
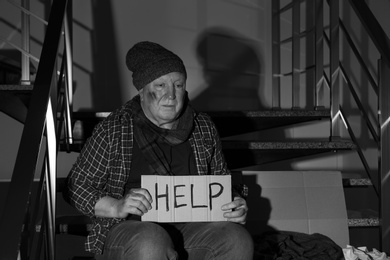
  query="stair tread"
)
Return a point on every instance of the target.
[
  {"x": 230, "y": 114},
  {"x": 232, "y": 123},
  {"x": 363, "y": 222},
  {"x": 355, "y": 182},
  {"x": 256, "y": 145},
  {"x": 270, "y": 113},
  {"x": 12, "y": 87},
  {"x": 288, "y": 145}
]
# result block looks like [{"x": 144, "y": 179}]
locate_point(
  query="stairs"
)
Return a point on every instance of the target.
[
  {"x": 243, "y": 141},
  {"x": 239, "y": 152},
  {"x": 242, "y": 154}
]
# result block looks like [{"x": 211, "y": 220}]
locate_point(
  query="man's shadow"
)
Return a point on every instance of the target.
[
  {"x": 258, "y": 217},
  {"x": 231, "y": 70},
  {"x": 260, "y": 208}
]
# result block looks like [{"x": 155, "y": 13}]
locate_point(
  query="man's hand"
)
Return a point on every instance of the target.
[
  {"x": 135, "y": 202},
  {"x": 239, "y": 210}
]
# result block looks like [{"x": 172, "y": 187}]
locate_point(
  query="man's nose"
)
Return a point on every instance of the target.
[{"x": 171, "y": 93}]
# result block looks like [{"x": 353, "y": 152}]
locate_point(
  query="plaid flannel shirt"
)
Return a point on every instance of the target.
[{"x": 103, "y": 166}]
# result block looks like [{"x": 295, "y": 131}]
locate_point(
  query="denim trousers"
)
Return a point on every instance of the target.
[{"x": 135, "y": 240}]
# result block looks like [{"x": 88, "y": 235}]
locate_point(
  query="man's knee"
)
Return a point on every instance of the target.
[
  {"x": 141, "y": 240},
  {"x": 236, "y": 239},
  {"x": 235, "y": 232}
]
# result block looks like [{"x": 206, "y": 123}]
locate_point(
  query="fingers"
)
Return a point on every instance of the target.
[
  {"x": 141, "y": 194},
  {"x": 238, "y": 211},
  {"x": 137, "y": 202},
  {"x": 237, "y": 216}
]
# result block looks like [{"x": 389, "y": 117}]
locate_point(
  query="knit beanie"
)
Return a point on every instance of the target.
[{"x": 149, "y": 61}]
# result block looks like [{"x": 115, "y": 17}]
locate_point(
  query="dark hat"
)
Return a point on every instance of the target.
[{"x": 149, "y": 61}]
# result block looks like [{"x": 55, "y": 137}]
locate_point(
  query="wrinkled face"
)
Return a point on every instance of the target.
[{"x": 162, "y": 99}]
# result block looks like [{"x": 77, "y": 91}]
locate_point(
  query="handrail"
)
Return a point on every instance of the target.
[
  {"x": 17, "y": 201},
  {"x": 378, "y": 129},
  {"x": 360, "y": 105},
  {"x": 374, "y": 85},
  {"x": 24, "y": 10},
  {"x": 359, "y": 150},
  {"x": 373, "y": 28},
  {"x": 19, "y": 49}
]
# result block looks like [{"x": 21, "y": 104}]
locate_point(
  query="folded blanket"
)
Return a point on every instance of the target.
[{"x": 286, "y": 245}]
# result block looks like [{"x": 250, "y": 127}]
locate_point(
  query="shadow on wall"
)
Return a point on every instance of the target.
[
  {"x": 106, "y": 93},
  {"x": 259, "y": 208},
  {"x": 231, "y": 68}
]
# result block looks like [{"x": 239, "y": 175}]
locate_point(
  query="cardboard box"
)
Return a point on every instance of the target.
[
  {"x": 187, "y": 198},
  {"x": 302, "y": 201}
]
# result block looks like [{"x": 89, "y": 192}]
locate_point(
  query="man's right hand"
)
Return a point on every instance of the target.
[{"x": 136, "y": 202}]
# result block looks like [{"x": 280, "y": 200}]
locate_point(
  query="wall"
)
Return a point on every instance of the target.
[{"x": 105, "y": 30}]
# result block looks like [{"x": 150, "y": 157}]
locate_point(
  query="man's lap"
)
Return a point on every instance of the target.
[{"x": 202, "y": 240}]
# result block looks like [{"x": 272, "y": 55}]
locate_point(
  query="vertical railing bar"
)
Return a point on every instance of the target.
[
  {"x": 310, "y": 54},
  {"x": 49, "y": 216},
  {"x": 319, "y": 53},
  {"x": 61, "y": 122},
  {"x": 275, "y": 54},
  {"x": 296, "y": 55},
  {"x": 334, "y": 68},
  {"x": 65, "y": 108},
  {"x": 37, "y": 238},
  {"x": 51, "y": 176},
  {"x": 67, "y": 118},
  {"x": 384, "y": 154},
  {"x": 69, "y": 52},
  {"x": 69, "y": 79},
  {"x": 25, "y": 60}
]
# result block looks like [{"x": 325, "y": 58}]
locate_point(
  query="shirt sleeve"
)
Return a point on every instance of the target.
[{"x": 88, "y": 175}]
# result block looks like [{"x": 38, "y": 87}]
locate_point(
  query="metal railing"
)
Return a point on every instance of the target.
[
  {"x": 19, "y": 238},
  {"x": 331, "y": 76}
]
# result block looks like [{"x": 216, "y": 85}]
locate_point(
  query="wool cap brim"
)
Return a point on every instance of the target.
[{"x": 149, "y": 61}]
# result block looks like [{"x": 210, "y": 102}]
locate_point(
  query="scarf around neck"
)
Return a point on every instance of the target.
[{"x": 148, "y": 135}]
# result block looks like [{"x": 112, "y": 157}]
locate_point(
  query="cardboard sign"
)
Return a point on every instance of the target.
[{"x": 187, "y": 198}]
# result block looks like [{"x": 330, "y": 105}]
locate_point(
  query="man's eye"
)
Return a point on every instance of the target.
[{"x": 179, "y": 86}]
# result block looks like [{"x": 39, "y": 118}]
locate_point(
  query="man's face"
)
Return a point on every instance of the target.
[{"x": 162, "y": 99}]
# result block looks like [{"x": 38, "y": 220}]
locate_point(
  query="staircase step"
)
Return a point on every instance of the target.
[
  {"x": 239, "y": 122},
  {"x": 363, "y": 222},
  {"x": 229, "y": 123},
  {"x": 363, "y": 218},
  {"x": 240, "y": 154},
  {"x": 357, "y": 182},
  {"x": 19, "y": 88},
  {"x": 292, "y": 145}
]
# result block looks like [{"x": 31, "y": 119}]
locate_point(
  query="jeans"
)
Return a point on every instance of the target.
[{"x": 195, "y": 240}]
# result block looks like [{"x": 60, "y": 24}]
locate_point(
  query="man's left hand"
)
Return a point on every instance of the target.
[{"x": 238, "y": 211}]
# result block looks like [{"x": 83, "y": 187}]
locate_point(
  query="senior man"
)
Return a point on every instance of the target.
[{"x": 155, "y": 133}]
